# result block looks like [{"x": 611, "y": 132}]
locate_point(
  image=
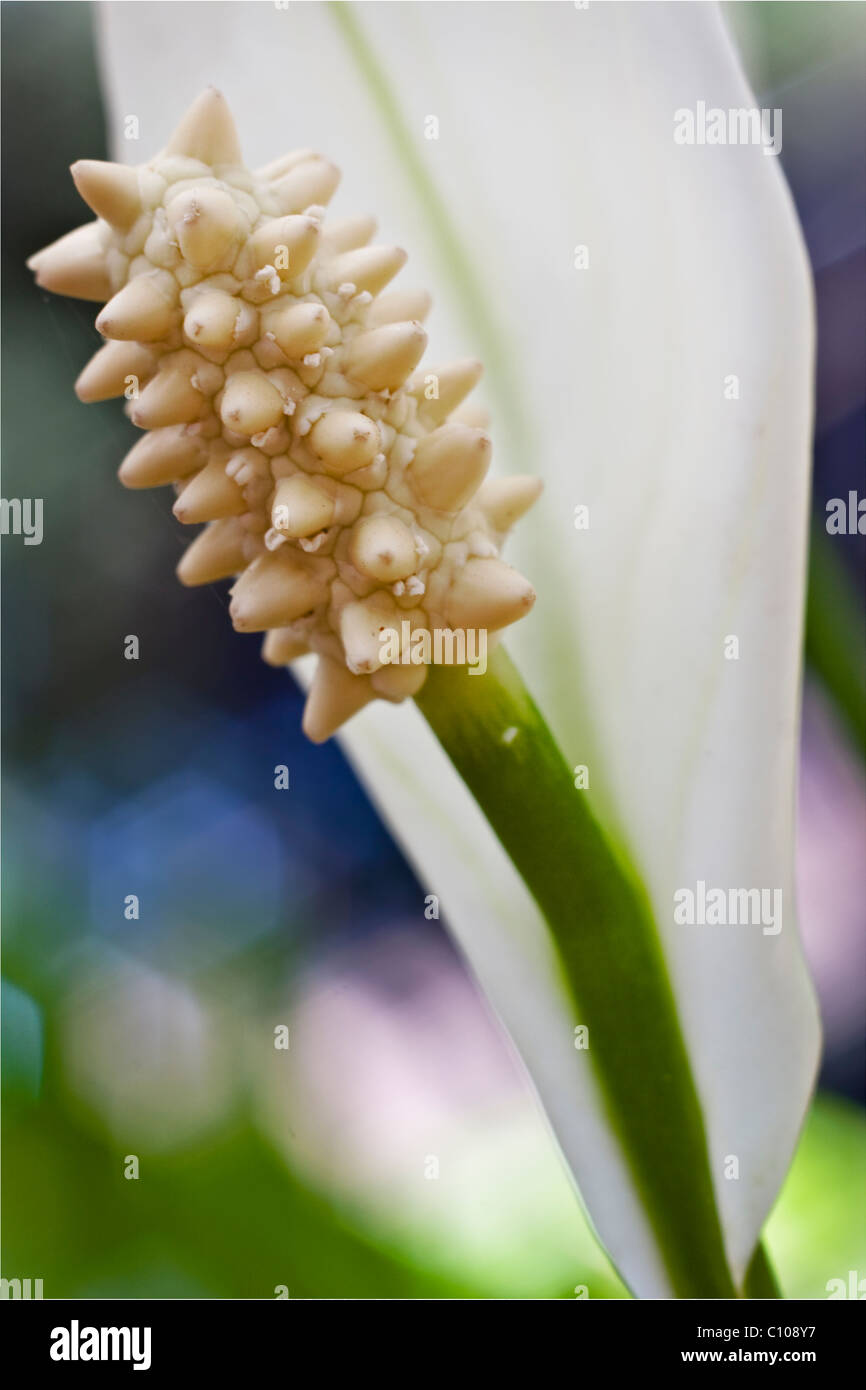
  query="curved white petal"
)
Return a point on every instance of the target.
[{"x": 556, "y": 129}]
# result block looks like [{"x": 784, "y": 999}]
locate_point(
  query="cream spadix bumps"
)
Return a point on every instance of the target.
[{"x": 282, "y": 397}]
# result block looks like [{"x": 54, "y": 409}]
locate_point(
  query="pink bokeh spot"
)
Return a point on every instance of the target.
[{"x": 831, "y": 871}]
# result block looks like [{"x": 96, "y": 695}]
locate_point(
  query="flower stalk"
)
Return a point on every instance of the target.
[{"x": 609, "y": 952}]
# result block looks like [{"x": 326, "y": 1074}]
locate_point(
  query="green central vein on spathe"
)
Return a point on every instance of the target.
[
  {"x": 471, "y": 299},
  {"x": 463, "y": 275},
  {"x": 608, "y": 946}
]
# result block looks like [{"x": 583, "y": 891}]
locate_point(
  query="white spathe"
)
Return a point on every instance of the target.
[{"x": 555, "y": 131}]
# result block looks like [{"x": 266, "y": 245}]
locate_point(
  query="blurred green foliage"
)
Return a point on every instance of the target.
[
  {"x": 222, "y": 1221},
  {"x": 226, "y": 1218},
  {"x": 817, "y": 1231},
  {"x": 836, "y": 635}
]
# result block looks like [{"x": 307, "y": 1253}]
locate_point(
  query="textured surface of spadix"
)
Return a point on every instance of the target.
[
  {"x": 613, "y": 377},
  {"x": 252, "y": 336}
]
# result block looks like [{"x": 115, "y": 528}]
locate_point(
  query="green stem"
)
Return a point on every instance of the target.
[
  {"x": 606, "y": 941},
  {"x": 761, "y": 1278}
]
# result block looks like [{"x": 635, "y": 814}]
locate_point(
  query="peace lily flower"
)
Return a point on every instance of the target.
[{"x": 643, "y": 307}]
